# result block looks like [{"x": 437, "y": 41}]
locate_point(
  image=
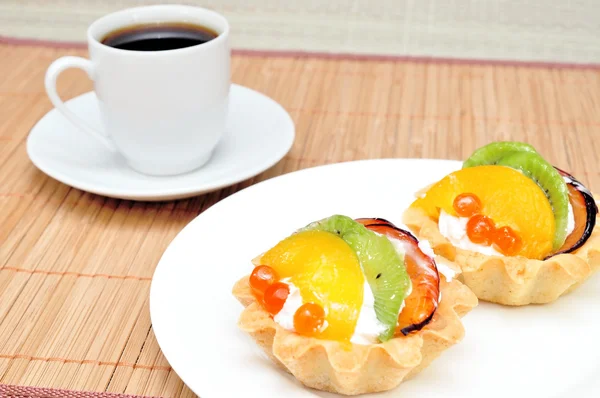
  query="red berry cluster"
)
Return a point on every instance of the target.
[
  {"x": 271, "y": 293},
  {"x": 482, "y": 230}
]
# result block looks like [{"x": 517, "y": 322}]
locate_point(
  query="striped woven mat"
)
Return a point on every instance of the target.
[{"x": 75, "y": 268}]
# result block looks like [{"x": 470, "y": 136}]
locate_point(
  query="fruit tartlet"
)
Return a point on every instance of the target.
[
  {"x": 521, "y": 230},
  {"x": 352, "y": 306}
]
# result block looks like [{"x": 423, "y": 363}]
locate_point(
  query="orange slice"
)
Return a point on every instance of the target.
[
  {"x": 327, "y": 272},
  {"x": 508, "y": 197}
]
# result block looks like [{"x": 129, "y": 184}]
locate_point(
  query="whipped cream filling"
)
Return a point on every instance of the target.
[
  {"x": 368, "y": 327},
  {"x": 570, "y": 220},
  {"x": 426, "y": 248},
  {"x": 285, "y": 317},
  {"x": 455, "y": 230},
  {"x": 442, "y": 268}
]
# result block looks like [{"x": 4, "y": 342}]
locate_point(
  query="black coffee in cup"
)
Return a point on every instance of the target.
[{"x": 159, "y": 37}]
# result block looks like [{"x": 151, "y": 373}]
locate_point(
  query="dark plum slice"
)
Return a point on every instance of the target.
[
  {"x": 421, "y": 304},
  {"x": 584, "y": 211}
]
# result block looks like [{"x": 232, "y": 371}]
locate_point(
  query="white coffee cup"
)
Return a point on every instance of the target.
[{"x": 163, "y": 111}]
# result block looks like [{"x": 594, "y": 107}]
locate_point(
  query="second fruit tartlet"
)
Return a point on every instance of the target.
[
  {"x": 522, "y": 231},
  {"x": 352, "y": 306}
]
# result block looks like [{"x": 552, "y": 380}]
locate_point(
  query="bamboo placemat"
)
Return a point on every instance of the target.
[{"x": 75, "y": 268}]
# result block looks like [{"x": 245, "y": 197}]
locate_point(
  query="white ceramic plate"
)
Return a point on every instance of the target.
[
  {"x": 549, "y": 351},
  {"x": 259, "y": 133}
]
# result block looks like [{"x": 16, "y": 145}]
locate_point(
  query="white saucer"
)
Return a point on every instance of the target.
[{"x": 259, "y": 133}]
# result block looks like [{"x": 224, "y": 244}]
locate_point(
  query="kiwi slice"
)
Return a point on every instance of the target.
[
  {"x": 383, "y": 267},
  {"x": 492, "y": 153},
  {"x": 549, "y": 179}
]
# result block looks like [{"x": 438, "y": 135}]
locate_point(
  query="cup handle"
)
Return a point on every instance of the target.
[{"x": 54, "y": 70}]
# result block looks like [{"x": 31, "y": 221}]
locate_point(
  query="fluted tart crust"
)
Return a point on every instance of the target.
[{"x": 352, "y": 369}]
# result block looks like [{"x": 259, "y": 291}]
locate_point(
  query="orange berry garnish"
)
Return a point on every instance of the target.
[
  {"x": 275, "y": 297},
  {"x": 261, "y": 278},
  {"x": 467, "y": 204},
  {"x": 309, "y": 319},
  {"x": 508, "y": 241},
  {"x": 481, "y": 229}
]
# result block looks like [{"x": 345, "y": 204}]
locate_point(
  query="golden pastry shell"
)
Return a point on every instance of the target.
[
  {"x": 514, "y": 280},
  {"x": 352, "y": 369}
]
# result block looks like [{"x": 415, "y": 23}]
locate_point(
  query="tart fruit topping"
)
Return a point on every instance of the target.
[
  {"x": 585, "y": 211},
  {"x": 524, "y": 158},
  {"x": 383, "y": 267},
  {"x": 275, "y": 297},
  {"x": 492, "y": 153},
  {"x": 560, "y": 188},
  {"x": 422, "y": 302},
  {"x": 261, "y": 278},
  {"x": 309, "y": 319},
  {"x": 481, "y": 229},
  {"x": 507, "y": 241},
  {"x": 549, "y": 180},
  {"x": 326, "y": 272},
  {"x": 507, "y": 196},
  {"x": 466, "y": 204}
]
